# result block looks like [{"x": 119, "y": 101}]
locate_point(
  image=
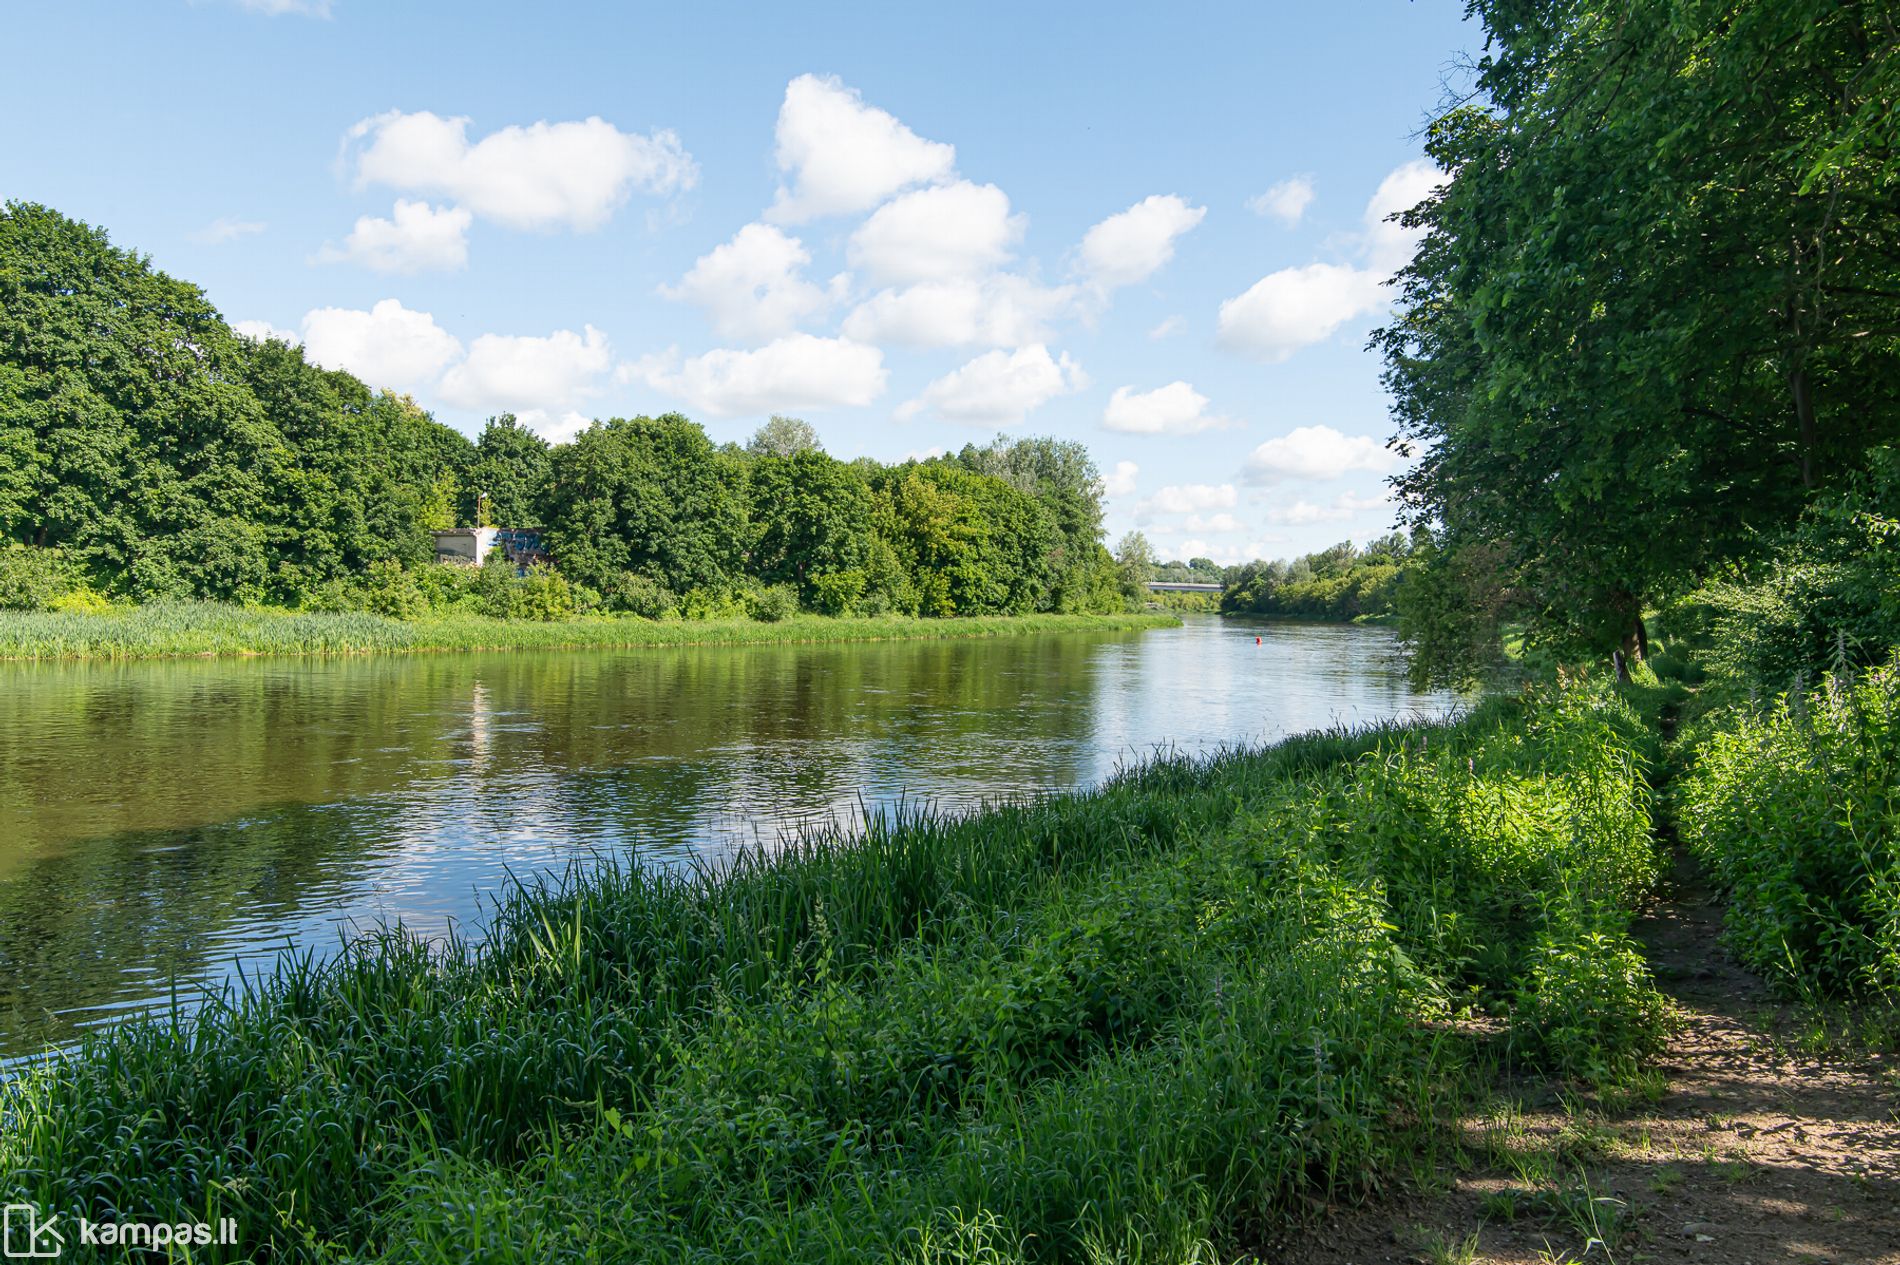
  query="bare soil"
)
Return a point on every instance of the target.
[{"x": 1744, "y": 1150}]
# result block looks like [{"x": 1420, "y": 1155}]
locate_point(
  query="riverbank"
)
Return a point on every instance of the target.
[
  {"x": 211, "y": 629},
  {"x": 1171, "y": 1011}
]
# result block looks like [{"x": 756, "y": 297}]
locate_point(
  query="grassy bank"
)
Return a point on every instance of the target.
[
  {"x": 213, "y": 628},
  {"x": 1130, "y": 1024}
]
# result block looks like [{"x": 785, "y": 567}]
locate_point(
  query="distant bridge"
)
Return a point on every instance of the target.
[{"x": 1178, "y": 586}]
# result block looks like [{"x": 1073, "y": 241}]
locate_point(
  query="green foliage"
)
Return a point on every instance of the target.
[
  {"x": 1795, "y": 809},
  {"x": 771, "y": 603},
  {"x": 1828, "y": 596},
  {"x": 507, "y": 478},
  {"x": 33, "y": 579},
  {"x": 1339, "y": 584},
  {"x": 641, "y": 597},
  {"x": 650, "y": 495},
  {"x": 1652, "y": 313}
]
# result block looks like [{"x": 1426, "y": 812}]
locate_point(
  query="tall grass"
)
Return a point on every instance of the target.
[
  {"x": 172, "y": 629},
  {"x": 1137, "y": 1024},
  {"x": 1795, "y": 808}
]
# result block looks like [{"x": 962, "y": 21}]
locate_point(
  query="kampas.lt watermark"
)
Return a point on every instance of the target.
[{"x": 33, "y": 1235}]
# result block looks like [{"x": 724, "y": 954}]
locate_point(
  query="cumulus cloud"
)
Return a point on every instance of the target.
[
  {"x": 1186, "y": 498},
  {"x": 842, "y": 156},
  {"x": 1286, "y": 201},
  {"x": 226, "y": 228},
  {"x": 753, "y": 287},
  {"x": 998, "y": 311},
  {"x": 1175, "y": 409},
  {"x": 799, "y": 371},
  {"x": 1133, "y": 245},
  {"x": 999, "y": 387},
  {"x": 1297, "y": 307},
  {"x": 1317, "y": 452},
  {"x": 419, "y": 238},
  {"x": 1168, "y": 327},
  {"x": 1121, "y": 480},
  {"x": 543, "y": 176},
  {"x": 515, "y": 373},
  {"x": 1343, "y": 507},
  {"x": 388, "y": 346},
  {"x": 264, "y": 331},
  {"x": 938, "y": 234}
]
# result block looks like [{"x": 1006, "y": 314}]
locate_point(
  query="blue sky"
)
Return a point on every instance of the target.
[{"x": 1150, "y": 228}]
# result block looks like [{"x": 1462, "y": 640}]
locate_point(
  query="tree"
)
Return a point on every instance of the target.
[
  {"x": 1135, "y": 561},
  {"x": 1655, "y": 304},
  {"x": 508, "y": 477},
  {"x": 784, "y": 437},
  {"x": 812, "y": 528},
  {"x": 649, "y": 495}
]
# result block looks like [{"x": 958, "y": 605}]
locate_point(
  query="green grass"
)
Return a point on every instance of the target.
[
  {"x": 1148, "y": 1022},
  {"x": 183, "y": 629}
]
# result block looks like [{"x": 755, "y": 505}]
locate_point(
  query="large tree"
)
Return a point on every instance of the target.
[{"x": 1657, "y": 299}]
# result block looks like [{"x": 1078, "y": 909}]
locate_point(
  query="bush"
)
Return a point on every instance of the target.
[
  {"x": 771, "y": 604},
  {"x": 32, "y": 579},
  {"x": 1795, "y": 809},
  {"x": 642, "y": 597},
  {"x": 387, "y": 589},
  {"x": 1588, "y": 1006}
]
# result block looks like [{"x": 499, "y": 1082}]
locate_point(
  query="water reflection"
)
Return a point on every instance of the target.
[{"x": 161, "y": 822}]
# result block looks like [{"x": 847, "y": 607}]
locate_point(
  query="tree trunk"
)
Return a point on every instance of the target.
[{"x": 1804, "y": 415}]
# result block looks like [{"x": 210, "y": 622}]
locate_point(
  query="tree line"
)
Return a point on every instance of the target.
[
  {"x": 150, "y": 452},
  {"x": 1651, "y": 339}
]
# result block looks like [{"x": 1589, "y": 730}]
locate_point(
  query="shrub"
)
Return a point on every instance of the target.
[
  {"x": 1795, "y": 808},
  {"x": 1588, "y": 1006},
  {"x": 640, "y": 596},
  {"x": 772, "y": 603},
  {"x": 387, "y": 589},
  {"x": 837, "y": 592},
  {"x": 31, "y": 579}
]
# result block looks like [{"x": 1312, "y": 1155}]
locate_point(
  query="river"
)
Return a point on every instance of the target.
[{"x": 163, "y": 822}]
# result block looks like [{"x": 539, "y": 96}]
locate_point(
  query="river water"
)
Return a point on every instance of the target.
[{"x": 163, "y": 822}]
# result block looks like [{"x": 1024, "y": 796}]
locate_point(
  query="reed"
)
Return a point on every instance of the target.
[{"x": 185, "y": 629}]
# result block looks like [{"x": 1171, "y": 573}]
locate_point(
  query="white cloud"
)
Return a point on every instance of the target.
[
  {"x": 1344, "y": 506},
  {"x": 1297, "y": 307},
  {"x": 505, "y": 372},
  {"x": 419, "y": 239},
  {"x": 1135, "y": 244},
  {"x": 1121, "y": 480},
  {"x": 1286, "y": 201},
  {"x": 278, "y": 8},
  {"x": 1317, "y": 452},
  {"x": 843, "y": 156},
  {"x": 1168, "y": 328},
  {"x": 387, "y": 346},
  {"x": 798, "y": 371},
  {"x": 938, "y": 234},
  {"x": 1389, "y": 246},
  {"x": 543, "y": 176},
  {"x": 753, "y": 286},
  {"x": 262, "y": 331},
  {"x": 1225, "y": 555},
  {"x": 924, "y": 454},
  {"x": 1175, "y": 409},
  {"x": 998, "y": 311},
  {"x": 999, "y": 387},
  {"x": 555, "y": 428},
  {"x": 226, "y": 228},
  {"x": 1186, "y": 498}
]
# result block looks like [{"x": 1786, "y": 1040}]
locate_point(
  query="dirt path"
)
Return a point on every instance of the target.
[{"x": 1743, "y": 1151}]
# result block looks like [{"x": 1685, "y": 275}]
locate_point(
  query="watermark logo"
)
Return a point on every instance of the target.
[
  {"x": 33, "y": 1235},
  {"x": 30, "y": 1236}
]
